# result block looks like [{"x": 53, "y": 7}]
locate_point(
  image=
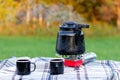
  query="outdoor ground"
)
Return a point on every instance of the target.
[{"x": 105, "y": 47}]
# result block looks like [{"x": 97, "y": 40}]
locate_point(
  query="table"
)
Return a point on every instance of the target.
[{"x": 97, "y": 70}]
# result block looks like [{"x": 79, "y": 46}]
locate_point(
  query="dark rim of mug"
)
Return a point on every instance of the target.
[
  {"x": 56, "y": 60},
  {"x": 23, "y": 60}
]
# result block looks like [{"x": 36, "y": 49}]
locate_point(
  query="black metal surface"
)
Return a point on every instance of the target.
[{"x": 70, "y": 39}]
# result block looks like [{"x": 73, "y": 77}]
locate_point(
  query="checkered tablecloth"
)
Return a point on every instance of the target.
[{"x": 97, "y": 70}]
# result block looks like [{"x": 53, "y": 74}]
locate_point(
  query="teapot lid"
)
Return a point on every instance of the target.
[
  {"x": 68, "y": 25},
  {"x": 73, "y": 25}
]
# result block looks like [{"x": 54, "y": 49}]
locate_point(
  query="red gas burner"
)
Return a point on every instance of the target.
[{"x": 73, "y": 63}]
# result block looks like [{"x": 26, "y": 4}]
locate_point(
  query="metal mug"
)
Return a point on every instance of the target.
[
  {"x": 56, "y": 66},
  {"x": 23, "y": 67}
]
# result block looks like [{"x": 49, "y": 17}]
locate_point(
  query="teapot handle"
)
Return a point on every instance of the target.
[{"x": 83, "y": 26}]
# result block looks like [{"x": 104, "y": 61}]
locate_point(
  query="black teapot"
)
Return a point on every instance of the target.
[{"x": 70, "y": 39}]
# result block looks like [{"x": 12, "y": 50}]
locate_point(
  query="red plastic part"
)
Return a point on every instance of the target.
[{"x": 73, "y": 63}]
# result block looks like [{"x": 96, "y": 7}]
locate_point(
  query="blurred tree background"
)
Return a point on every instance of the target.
[{"x": 43, "y": 17}]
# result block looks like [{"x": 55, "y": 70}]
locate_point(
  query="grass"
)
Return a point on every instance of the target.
[
  {"x": 26, "y": 46},
  {"x": 104, "y": 47}
]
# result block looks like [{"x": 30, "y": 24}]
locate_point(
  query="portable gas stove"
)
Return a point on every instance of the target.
[{"x": 70, "y": 43}]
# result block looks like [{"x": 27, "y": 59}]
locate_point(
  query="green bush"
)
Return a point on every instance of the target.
[{"x": 96, "y": 29}]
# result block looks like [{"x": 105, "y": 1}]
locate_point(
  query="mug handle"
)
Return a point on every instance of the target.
[{"x": 34, "y": 67}]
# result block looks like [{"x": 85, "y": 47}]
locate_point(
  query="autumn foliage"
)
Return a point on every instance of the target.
[{"x": 31, "y": 17}]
